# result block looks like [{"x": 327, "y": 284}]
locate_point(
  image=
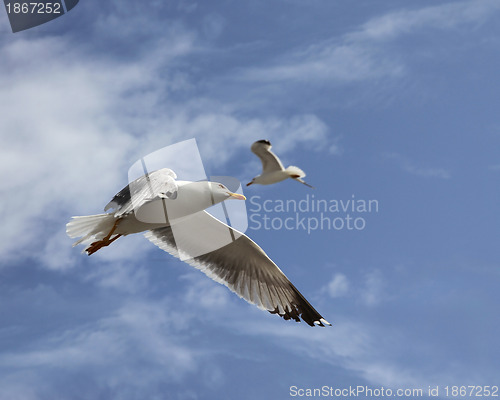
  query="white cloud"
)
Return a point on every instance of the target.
[
  {"x": 213, "y": 25},
  {"x": 370, "y": 292},
  {"x": 352, "y": 345},
  {"x": 377, "y": 354},
  {"x": 374, "y": 290},
  {"x": 221, "y": 135},
  {"x": 427, "y": 172},
  {"x": 135, "y": 344},
  {"x": 187, "y": 6},
  {"x": 139, "y": 346},
  {"x": 336, "y": 148},
  {"x": 66, "y": 149},
  {"x": 203, "y": 294},
  {"x": 145, "y": 343},
  {"x": 73, "y": 124},
  {"x": 363, "y": 54},
  {"x": 444, "y": 16},
  {"x": 54, "y": 154},
  {"x": 121, "y": 277},
  {"x": 331, "y": 61},
  {"x": 338, "y": 286}
]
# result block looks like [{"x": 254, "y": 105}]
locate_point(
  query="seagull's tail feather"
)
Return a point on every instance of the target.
[
  {"x": 90, "y": 227},
  {"x": 297, "y": 174}
]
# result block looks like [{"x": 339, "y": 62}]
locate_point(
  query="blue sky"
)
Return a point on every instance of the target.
[{"x": 387, "y": 100}]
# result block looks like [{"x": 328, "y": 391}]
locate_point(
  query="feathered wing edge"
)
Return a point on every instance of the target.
[
  {"x": 259, "y": 282},
  {"x": 144, "y": 188},
  {"x": 270, "y": 161}
]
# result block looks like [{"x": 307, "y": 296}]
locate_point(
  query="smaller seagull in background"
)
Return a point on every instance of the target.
[{"x": 272, "y": 168}]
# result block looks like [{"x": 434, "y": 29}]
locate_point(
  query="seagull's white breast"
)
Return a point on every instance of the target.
[{"x": 271, "y": 177}]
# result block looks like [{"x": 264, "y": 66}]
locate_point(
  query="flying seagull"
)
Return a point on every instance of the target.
[
  {"x": 272, "y": 168},
  {"x": 188, "y": 232}
]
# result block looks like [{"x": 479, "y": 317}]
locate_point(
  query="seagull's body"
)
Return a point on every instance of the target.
[
  {"x": 138, "y": 207},
  {"x": 272, "y": 168},
  {"x": 188, "y": 232}
]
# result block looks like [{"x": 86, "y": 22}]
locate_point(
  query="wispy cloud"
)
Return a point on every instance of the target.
[
  {"x": 89, "y": 119},
  {"x": 428, "y": 172},
  {"x": 373, "y": 291},
  {"x": 147, "y": 332},
  {"x": 335, "y": 60},
  {"x": 409, "y": 166},
  {"x": 375, "y": 354},
  {"x": 338, "y": 286},
  {"x": 363, "y": 54},
  {"x": 147, "y": 343},
  {"x": 369, "y": 291},
  {"x": 134, "y": 343},
  {"x": 443, "y": 17},
  {"x": 73, "y": 120},
  {"x": 352, "y": 345}
]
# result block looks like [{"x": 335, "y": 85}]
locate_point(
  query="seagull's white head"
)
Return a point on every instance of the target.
[{"x": 220, "y": 193}]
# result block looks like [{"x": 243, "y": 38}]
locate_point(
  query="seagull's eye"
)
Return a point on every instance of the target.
[{"x": 221, "y": 186}]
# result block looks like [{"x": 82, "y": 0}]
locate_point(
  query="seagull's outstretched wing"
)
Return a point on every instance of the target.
[
  {"x": 159, "y": 183},
  {"x": 240, "y": 264},
  {"x": 270, "y": 162}
]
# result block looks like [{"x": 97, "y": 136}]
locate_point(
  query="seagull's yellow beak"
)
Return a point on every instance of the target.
[{"x": 237, "y": 196}]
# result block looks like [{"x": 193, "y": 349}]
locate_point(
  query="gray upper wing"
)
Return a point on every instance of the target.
[{"x": 147, "y": 187}]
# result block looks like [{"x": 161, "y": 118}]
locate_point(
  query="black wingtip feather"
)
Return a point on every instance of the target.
[
  {"x": 311, "y": 317},
  {"x": 263, "y": 141}
]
